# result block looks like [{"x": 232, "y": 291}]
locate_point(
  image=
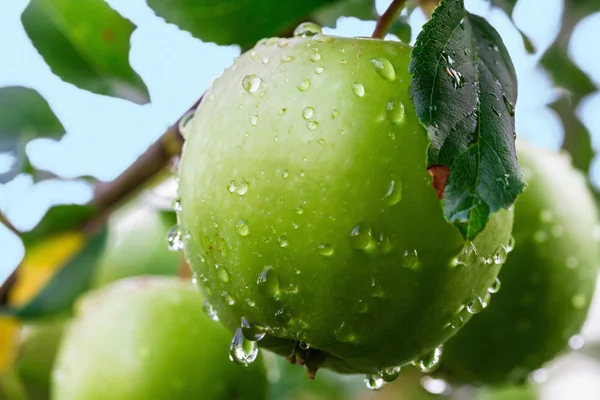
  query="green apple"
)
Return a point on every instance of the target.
[
  {"x": 136, "y": 244},
  {"x": 547, "y": 282},
  {"x": 149, "y": 338},
  {"x": 307, "y": 208}
]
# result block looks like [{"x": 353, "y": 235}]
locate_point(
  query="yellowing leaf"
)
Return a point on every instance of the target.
[
  {"x": 9, "y": 335},
  {"x": 41, "y": 263}
]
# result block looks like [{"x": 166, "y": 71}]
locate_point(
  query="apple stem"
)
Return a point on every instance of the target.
[{"x": 386, "y": 20}]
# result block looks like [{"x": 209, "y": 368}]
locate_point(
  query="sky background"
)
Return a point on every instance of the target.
[{"x": 104, "y": 135}]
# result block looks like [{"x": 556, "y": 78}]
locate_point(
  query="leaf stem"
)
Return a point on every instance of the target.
[
  {"x": 386, "y": 20},
  {"x": 4, "y": 221}
]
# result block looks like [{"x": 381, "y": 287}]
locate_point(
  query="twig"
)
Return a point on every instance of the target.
[
  {"x": 387, "y": 19},
  {"x": 4, "y": 221}
]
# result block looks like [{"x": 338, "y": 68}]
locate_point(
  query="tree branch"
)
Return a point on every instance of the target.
[{"x": 386, "y": 20}]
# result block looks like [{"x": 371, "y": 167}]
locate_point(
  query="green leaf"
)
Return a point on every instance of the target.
[
  {"x": 464, "y": 88},
  {"x": 233, "y": 21},
  {"x": 24, "y": 115},
  {"x": 58, "y": 219},
  {"x": 361, "y": 9},
  {"x": 74, "y": 278},
  {"x": 86, "y": 43}
]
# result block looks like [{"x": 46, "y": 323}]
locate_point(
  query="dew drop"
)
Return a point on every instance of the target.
[
  {"x": 509, "y": 105},
  {"x": 343, "y": 61},
  {"x": 377, "y": 290},
  {"x": 500, "y": 255},
  {"x": 299, "y": 210},
  {"x": 495, "y": 286},
  {"x": 458, "y": 80},
  {"x": 326, "y": 250},
  {"x": 395, "y": 112},
  {"x": 242, "y": 351},
  {"x": 254, "y": 120},
  {"x": 318, "y": 70},
  {"x": 303, "y": 85},
  {"x": 410, "y": 259},
  {"x": 394, "y": 193},
  {"x": 242, "y": 187},
  {"x": 250, "y": 302},
  {"x": 210, "y": 311},
  {"x": 283, "y": 241},
  {"x": 251, "y": 331},
  {"x": 304, "y": 346},
  {"x": 285, "y": 173},
  {"x": 496, "y": 111},
  {"x": 308, "y": 112},
  {"x": 475, "y": 305},
  {"x": 222, "y": 273},
  {"x": 251, "y": 83},
  {"x": 242, "y": 227},
  {"x": 286, "y": 59},
  {"x": 268, "y": 282},
  {"x": 319, "y": 37},
  {"x": 384, "y": 68},
  {"x": 307, "y": 29},
  {"x": 576, "y": 342},
  {"x": 358, "y": 89},
  {"x": 374, "y": 382},
  {"x": 321, "y": 141},
  {"x": 227, "y": 297},
  {"x": 175, "y": 240},
  {"x": 282, "y": 42},
  {"x": 314, "y": 57},
  {"x": 176, "y": 204},
  {"x": 335, "y": 113},
  {"x": 457, "y": 322},
  {"x": 344, "y": 334},
  {"x": 511, "y": 244},
  {"x": 389, "y": 374},
  {"x": 468, "y": 255},
  {"x": 430, "y": 361},
  {"x": 312, "y": 125},
  {"x": 361, "y": 238}
]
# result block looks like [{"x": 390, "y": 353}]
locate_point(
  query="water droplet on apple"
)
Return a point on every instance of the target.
[
  {"x": 410, "y": 259},
  {"x": 286, "y": 59},
  {"x": 321, "y": 141},
  {"x": 176, "y": 204},
  {"x": 318, "y": 70},
  {"x": 315, "y": 56},
  {"x": 495, "y": 287},
  {"x": 242, "y": 187},
  {"x": 282, "y": 42},
  {"x": 384, "y": 68},
  {"x": 361, "y": 238},
  {"x": 343, "y": 61},
  {"x": 268, "y": 282},
  {"x": 227, "y": 297},
  {"x": 468, "y": 255},
  {"x": 358, "y": 89},
  {"x": 175, "y": 239},
  {"x": 319, "y": 37},
  {"x": 307, "y": 29},
  {"x": 395, "y": 112},
  {"x": 326, "y": 250},
  {"x": 253, "y": 120},
  {"x": 374, "y": 382},
  {"x": 475, "y": 305},
  {"x": 303, "y": 85},
  {"x": 389, "y": 374},
  {"x": 283, "y": 241},
  {"x": 222, "y": 273},
  {"x": 251, "y": 331},
  {"x": 344, "y": 333},
  {"x": 511, "y": 244},
  {"x": 394, "y": 193},
  {"x": 312, "y": 125},
  {"x": 299, "y": 210},
  {"x": 430, "y": 361},
  {"x": 210, "y": 311},
  {"x": 242, "y": 227},
  {"x": 242, "y": 351},
  {"x": 251, "y": 83},
  {"x": 303, "y": 345},
  {"x": 307, "y": 113},
  {"x": 500, "y": 255}
]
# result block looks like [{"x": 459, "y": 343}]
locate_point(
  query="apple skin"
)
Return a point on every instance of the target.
[
  {"x": 136, "y": 245},
  {"x": 148, "y": 338},
  {"x": 547, "y": 282},
  {"x": 298, "y": 144}
]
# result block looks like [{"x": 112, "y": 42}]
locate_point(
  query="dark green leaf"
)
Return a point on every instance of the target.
[
  {"x": 233, "y": 21},
  {"x": 86, "y": 43},
  {"x": 58, "y": 219},
  {"x": 70, "y": 281},
  {"x": 401, "y": 28},
  {"x": 24, "y": 115},
  {"x": 464, "y": 88},
  {"x": 361, "y": 9}
]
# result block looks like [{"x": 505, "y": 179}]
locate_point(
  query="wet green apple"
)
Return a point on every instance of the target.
[
  {"x": 547, "y": 282},
  {"x": 135, "y": 244},
  {"x": 149, "y": 338},
  {"x": 308, "y": 209}
]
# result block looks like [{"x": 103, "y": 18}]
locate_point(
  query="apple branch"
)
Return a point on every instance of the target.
[{"x": 386, "y": 20}]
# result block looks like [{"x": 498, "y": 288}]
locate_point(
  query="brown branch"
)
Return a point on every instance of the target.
[
  {"x": 386, "y": 20},
  {"x": 4, "y": 221}
]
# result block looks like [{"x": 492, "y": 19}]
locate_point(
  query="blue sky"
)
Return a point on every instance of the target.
[{"x": 104, "y": 135}]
